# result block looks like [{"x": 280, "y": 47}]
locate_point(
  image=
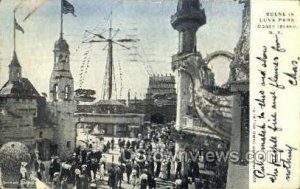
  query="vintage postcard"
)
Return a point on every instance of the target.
[{"x": 149, "y": 94}]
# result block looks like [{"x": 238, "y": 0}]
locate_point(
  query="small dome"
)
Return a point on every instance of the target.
[
  {"x": 61, "y": 45},
  {"x": 188, "y": 5},
  {"x": 189, "y": 14}
]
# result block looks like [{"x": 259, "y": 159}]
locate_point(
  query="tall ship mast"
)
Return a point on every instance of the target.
[{"x": 110, "y": 40}]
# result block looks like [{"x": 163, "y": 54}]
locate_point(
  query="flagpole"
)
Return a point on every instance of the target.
[
  {"x": 61, "y": 19},
  {"x": 14, "y": 31}
]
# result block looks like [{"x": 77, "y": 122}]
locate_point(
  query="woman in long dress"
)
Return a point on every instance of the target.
[
  {"x": 164, "y": 170},
  {"x": 134, "y": 180},
  {"x": 102, "y": 171},
  {"x": 23, "y": 175}
]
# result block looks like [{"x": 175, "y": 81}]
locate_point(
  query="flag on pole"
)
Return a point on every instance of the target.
[
  {"x": 18, "y": 27},
  {"x": 68, "y": 8}
]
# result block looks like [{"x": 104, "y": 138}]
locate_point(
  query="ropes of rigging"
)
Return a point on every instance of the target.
[
  {"x": 86, "y": 58},
  {"x": 114, "y": 81},
  {"x": 121, "y": 80},
  {"x": 104, "y": 84}
]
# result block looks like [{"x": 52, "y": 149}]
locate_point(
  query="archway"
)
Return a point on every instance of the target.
[
  {"x": 157, "y": 118},
  {"x": 46, "y": 149},
  {"x": 219, "y": 62}
]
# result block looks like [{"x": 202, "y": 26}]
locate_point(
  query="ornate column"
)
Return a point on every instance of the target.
[
  {"x": 188, "y": 18},
  {"x": 238, "y": 176}
]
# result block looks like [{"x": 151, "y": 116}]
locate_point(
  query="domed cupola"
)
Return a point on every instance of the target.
[{"x": 61, "y": 45}]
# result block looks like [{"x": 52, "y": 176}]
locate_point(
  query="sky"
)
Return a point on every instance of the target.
[{"x": 148, "y": 20}]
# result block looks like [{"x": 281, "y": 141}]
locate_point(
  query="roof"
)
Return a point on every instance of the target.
[
  {"x": 21, "y": 88},
  {"x": 61, "y": 45},
  {"x": 109, "y": 102},
  {"x": 15, "y": 61},
  {"x": 162, "y": 78}
]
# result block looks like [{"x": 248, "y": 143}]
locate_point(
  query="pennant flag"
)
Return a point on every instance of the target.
[
  {"x": 18, "y": 27},
  {"x": 68, "y": 8}
]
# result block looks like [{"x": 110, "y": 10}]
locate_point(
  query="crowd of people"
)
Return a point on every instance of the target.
[{"x": 141, "y": 163}]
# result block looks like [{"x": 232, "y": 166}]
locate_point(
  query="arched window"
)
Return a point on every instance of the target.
[
  {"x": 60, "y": 57},
  {"x": 41, "y": 134},
  {"x": 67, "y": 59},
  {"x": 68, "y": 144},
  {"x": 67, "y": 92},
  {"x": 55, "y": 92}
]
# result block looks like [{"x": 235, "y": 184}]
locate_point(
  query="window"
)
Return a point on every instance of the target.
[
  {"x": 67, "y": 59},
  {"x": 68, "y": 144},
  {"x": 55, "y": 92},
  {"x": 67, "y": 92},
  {"x": 41, "y": 134},
  {"x": 34, "y": 113}
]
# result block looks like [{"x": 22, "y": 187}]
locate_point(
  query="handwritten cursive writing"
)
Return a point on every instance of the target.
[
  {"x": 277, "y": 46},
  {"x": 287, "y": 163},
  {"x": 293, "y": 76},
  {"x": 274, "y": 80},
  {"x": 264, "y": 57}
]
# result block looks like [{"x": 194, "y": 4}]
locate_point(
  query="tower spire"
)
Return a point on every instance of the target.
[{"x": 15, "y": 70}]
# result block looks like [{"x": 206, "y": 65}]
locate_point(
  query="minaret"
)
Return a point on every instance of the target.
[
  {"x": 62, "y": 104},
  {"x": 15, "y": 69},
  {"x": 61, "y": 81},
  {"x": 61, "y": 93},
  {"x": 187, "y": 20},
  {"x": 240, "y": 107}
]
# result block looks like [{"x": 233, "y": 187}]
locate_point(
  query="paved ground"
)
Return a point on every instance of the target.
[
  {"x": 112, "y": 157},
  {"x": 160, "y": 184}
]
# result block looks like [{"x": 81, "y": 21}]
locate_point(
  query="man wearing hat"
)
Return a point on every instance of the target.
[
  {"x": 93, "y": 186},
  {"x": 77, "y": 179},
  {"x": 119, "y": 176},
  {"x": 56, "y": 182},
  {"x": 128, "y": 169},
  {"x": 54, "y": 167},
  {"x": 136, "y": 167},
  {"x": 81, "y": 178},
  {"x": 51, "y": 169},
  {"x": 39, "y": 169},
  {"x": 112, "y": 177}
]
